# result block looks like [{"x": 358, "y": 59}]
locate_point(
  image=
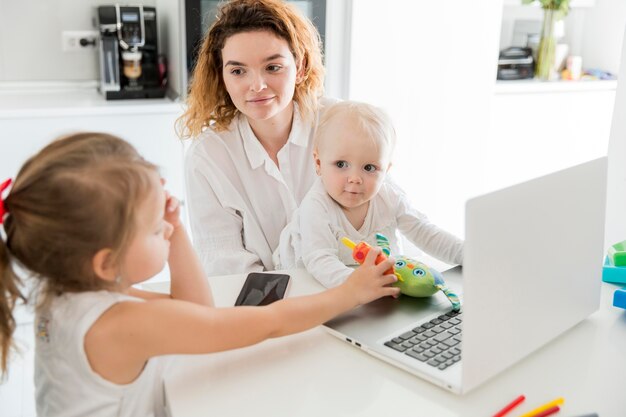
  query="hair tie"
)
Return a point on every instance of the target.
[{"x": 3, "y": 187}]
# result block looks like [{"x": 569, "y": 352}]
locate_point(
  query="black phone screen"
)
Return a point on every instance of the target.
[{"x": 262, "y": 289}]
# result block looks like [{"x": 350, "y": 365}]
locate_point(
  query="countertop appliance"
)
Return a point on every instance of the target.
[
  {"x": 130, "y": 66},
  {"x": 516, "y": 63}
]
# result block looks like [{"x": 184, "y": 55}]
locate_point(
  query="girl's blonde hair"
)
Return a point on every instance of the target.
[
  {"x": 75, "y": 197},
  {"x": 208, "y": 102},
  {"x": 368, "y": 118}
]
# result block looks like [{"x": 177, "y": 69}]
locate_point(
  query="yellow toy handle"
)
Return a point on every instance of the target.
[
  {"x": 348, "y": 243},
  {"x": 359, "y": 252}
]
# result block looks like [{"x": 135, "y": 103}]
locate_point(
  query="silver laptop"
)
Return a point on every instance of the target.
[{"x": 532, "y": 270}]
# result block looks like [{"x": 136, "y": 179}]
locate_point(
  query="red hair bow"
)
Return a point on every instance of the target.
[{"x": 3, "y": 187}]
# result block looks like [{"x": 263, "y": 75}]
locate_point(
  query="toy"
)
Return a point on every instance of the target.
[
  {"x": 619, "y": 298},
  {"x": 614, "y": 270},
  {"x": 617, "y": 254},
  {"x": 613, "y": 274},
  {"x": 415, "y": 278},
  {"x": 360, "y": 251}
]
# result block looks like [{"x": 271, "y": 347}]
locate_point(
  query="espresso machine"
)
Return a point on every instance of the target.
[{"x": 130, "y": 66}]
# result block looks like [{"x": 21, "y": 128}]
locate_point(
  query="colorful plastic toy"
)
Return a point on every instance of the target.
[
  {"x": 614, "y": 270},
  {"x": 617, "y": 254},
  {"x": 619, "y": 298},
  {"x": 613, "y": 274},
  {"x": 415, "y": 278},
  {"x": 360, "y": 251}
]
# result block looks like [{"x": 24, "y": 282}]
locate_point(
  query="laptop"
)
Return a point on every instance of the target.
[{"x": 532, "y": 270}]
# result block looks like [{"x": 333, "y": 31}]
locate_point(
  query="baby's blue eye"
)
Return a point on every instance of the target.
[
  {"x": 341, "y": 164},
  {"x": 369, "y": 168},
  {"x": 400, "y": 264},
  {"x": 419, "y": 272}
]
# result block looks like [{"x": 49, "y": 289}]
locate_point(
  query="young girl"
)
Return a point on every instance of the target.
[
  {"x": 88, "y": 217},
  {"x": 354, "y": 198},
  {"x": 253, "y": 107}
]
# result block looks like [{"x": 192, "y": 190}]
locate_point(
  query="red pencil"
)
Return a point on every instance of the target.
[
  {"x": 510, "y": 406},
  {"x": 548, "y": 412}
]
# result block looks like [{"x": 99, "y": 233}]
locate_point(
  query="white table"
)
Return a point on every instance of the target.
[{"x": 316, "y": 374}]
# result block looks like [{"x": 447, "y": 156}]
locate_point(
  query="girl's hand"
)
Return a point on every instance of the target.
[
  {"x": 369, "y": 282},
  {"x": 172, "y": 210}
]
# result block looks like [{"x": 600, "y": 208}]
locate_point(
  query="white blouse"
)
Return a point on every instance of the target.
[
  {"x": 239, "y": 200},
  {"x": 312, "y": 238}
]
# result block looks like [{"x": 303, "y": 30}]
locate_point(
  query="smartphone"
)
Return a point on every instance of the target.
[{"x": 261, "y": 289}]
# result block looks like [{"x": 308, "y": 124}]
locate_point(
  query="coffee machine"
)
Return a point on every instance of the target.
[{"x": 130, "y": 66}]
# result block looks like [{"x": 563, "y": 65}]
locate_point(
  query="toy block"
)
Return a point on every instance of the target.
[
  {"x": 617, "y": 254},
  {"x": 613, "y": 274},
  {"x": 619, "y": 298}
]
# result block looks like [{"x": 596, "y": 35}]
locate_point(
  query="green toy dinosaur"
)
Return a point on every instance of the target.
[{"x": 415, "y": 278}]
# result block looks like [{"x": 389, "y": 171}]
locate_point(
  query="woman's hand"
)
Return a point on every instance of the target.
[{"x": 369, "y": 282}]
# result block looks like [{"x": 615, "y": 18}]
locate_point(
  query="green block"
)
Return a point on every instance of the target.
[{"x": 617, "y": 254}]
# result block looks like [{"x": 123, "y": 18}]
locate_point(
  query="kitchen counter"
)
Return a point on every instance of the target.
[
  {"x": 33, "y": 114},
  {"x": 536, "y": 86},
  {"x": 82, "y": 99}
]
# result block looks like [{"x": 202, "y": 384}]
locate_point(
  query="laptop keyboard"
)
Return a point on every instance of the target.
[{"x": 436, "y": 342}]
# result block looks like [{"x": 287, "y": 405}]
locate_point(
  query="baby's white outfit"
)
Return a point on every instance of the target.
[
  {"x": 312, "y": 238},
  {"x": 65, "y": 384}
]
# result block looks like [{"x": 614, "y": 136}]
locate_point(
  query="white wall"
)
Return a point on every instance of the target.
[
  {"x": 432, "y": 66},
  {"x": 604, "y": 27},
  {"x": 337, "y": 53},
  {"x": 30, "y": 39},
  {"x": 616, "y": 189}
]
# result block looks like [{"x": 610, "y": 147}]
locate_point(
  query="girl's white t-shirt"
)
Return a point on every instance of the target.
[{"x": 65, "y": 384}]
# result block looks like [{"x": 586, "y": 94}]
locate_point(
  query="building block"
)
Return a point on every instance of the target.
[
  {"x": 619, "y": 298},
  {"x": 617, "y": 254},
  {"x": 613, "y": 274}
]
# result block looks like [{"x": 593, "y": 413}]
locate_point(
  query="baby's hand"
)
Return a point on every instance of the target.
[
  {"x": 172, "y": 210},
  {"x": 369, "y": 282}
]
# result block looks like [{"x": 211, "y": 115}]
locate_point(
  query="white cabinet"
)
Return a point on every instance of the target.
[{"x": 28, "y": 121}]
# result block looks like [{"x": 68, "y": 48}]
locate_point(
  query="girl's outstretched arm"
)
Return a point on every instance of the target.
[{"x": 130, "y": 333}]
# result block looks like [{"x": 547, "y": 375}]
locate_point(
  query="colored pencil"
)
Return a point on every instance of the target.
[
  {"x": 510, "y": 406},
  {"x": 536, "y": 411},
  {"x": 548, "y": 412}
]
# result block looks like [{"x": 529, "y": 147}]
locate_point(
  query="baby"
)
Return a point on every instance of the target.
[{"x": 353, "y": 197}]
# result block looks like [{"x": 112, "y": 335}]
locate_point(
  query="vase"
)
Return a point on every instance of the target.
[{"x": 544, "y": 70}]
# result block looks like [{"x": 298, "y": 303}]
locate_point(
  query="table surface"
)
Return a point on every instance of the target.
[{"x": 316, "y": 374}]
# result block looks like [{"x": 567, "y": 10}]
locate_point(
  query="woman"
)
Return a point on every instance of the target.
[{"x": 254, "y": 103}]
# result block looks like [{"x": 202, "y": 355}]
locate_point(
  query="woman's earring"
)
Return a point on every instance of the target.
[{"x": 118, "y": 280}]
